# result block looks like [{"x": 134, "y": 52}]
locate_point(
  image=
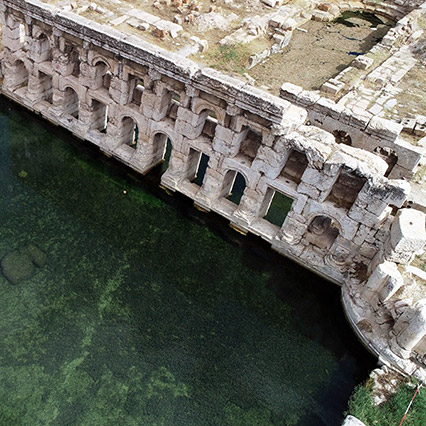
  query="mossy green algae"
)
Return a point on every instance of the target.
[{"x": 143, "y": 316}]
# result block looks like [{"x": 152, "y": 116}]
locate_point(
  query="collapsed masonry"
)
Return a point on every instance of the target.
[{"x": 131, "y": 99}]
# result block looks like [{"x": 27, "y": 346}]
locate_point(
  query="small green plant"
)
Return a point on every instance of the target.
[
  {"x": 233, "y": 58},
  {"x": 390, "y": 412}
]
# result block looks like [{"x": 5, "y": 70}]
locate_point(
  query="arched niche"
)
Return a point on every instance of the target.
[{"x": 322, "y": 232}]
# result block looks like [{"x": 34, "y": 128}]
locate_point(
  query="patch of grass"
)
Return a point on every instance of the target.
[
  {"x": 390, "y": 412},
  {"x": 233, "y": 58}
]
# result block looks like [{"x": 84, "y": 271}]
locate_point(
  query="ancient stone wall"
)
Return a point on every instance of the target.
[
  {"x": 130, "y": 98},
  {"x": 360, "y": 129}
]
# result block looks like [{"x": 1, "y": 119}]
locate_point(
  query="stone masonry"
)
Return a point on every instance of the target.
[{"x": 132, "y": 99}]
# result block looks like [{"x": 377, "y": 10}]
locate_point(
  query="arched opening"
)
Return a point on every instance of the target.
[
  {"x": 208, "y": 117},
  {"x": 342, "y": 137},
  {"x": 234, "y": 185},
  {"x": 130, "y": 132},
  {"x": 389, "y": 155},
  {"x": 346, "y": 188},
  {"x": 162, "y": 149},
  {"x": 43, "y": 50},
  {"x": 99, "y": 116},
  {"x": 71, "y": 102},
  {"x": 295, "y": 166},
  {"x": 136, "y": 89},
  {"x": 174, "y": 104},
  {"x": 103, "y": 73},
  {"x": 197, "y": 166},
  {"x": 322, "y": 232},
  {"x": 20, "y": 75}
]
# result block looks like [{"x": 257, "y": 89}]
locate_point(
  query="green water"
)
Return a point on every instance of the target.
[{"x": 146, "y": 311}]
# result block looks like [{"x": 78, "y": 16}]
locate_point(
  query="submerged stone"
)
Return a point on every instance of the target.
[{"x": 20, "y": 264}]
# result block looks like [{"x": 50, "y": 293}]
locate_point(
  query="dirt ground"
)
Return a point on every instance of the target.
[{"x": 313, "y": 57}]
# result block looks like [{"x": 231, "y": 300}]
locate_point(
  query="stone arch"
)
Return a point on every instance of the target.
[
  {"x": 129, "y": 131},
  {"x": 322, "y": 231},
  {"x": 101, "y": 58},
  {"x": 103, "y": 71},
  {"x": 161, "y": 145},
  {"x": 20, "y": 73},
  {"x": 42, "y": 45},
  {"x": 234, "y": 185},
  {"x": 220, "y": 113},
  {"x": 71, "y": 103}
]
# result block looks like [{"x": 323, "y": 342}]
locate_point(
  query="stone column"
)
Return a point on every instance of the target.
[{"x": 404, "y": 342}]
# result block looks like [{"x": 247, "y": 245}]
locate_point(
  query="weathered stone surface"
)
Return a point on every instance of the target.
[{"x": 20, "y": 264}]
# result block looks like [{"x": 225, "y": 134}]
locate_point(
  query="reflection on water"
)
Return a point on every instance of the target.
[{"x": 135, "y": 309}]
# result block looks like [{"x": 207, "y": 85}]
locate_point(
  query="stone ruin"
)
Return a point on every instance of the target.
[{"x": 344, "y": 170}]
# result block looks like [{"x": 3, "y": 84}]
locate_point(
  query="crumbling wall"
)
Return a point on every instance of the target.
[{"x": 360, "y": 129}]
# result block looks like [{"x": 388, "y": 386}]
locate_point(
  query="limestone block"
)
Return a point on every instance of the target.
[
  {"x": 364, "y": 233},
  {"x": 269, "y": 162},
  {"x": 224, "y": 148},
  {"x": 317, "y": 179},
  {"x": 187, "y": 116},
  {"x": 362, "y": 62},
  {"x": 307, "y": 99},
  {"x": 365, "y": 217},
  {"x": 409, "y": 156},
  {"x": 408, "y": 231},
  {"x": 290, "y": 92},
  {"x": 394, "y": 192},
  {"x": 13, "y": 44},
  {"x": 186, "y": 129},
  {"x": 293, "y": 227},
  {"x": 224, "y": 134},
  {"x": 376, "y": 207},
  {"x": 308, "y": 190},
  {"x": 327, "y": 107},
  {"x": 384, "y": 129},
  {"x": 392, "y": 285}
]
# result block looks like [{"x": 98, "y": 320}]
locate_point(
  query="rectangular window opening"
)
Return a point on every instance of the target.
[
  {"x": 295, "y": 166},
  {"x": 346, "y": 188},
  {"x": 279, "y": 206}
]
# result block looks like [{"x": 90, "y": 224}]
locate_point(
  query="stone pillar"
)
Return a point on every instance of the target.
[
  {"x": 406, "y": 340},
  {"x": 382, "y": 283},
  {"x": 12, "y": 33}
]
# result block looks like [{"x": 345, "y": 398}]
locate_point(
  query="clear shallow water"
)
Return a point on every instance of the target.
[{"x": 148, "y": 312}]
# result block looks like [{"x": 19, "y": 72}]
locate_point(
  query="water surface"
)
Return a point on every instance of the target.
[{"x": 146, "y": 311}]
